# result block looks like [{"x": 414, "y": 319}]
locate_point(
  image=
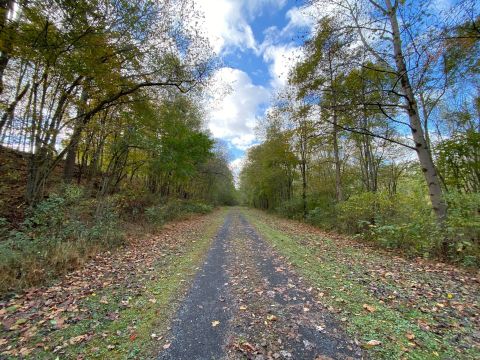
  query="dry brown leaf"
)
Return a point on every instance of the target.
[
  {"x": 77, "y": 339},
  {"x": 369, "y": 308},
  {"x": 371, "y": 344}
]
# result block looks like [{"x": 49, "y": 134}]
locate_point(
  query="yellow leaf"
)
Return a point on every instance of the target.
[
  {"x": 272, "y": 318},
  {"x": 215, "y": 323}
]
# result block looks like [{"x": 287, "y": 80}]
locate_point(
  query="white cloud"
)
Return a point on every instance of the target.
[
  {"x": 281, "y": 59},
  {"x": 255, "y": 7},
  {"x": 236, "y": 167},
  {"x": 226, "y": 21},
  {"x": 300, "y": 18},
  {"x": 233, "y": 115},
  {"x": 278, "y": 50},
  {"x": 224, "y": 25}
]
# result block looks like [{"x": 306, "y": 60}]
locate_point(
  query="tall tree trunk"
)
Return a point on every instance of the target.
[
  {"x": 9, "y": 111},
  {"x": 76, "y": 136},
  {"x": 424, "y": 155},
  {"x": 304, "y": 188},
  {"x": 336, "y": 152},
  {"x": 6, "y": 6},
  {"x": 336, "y": 155}
]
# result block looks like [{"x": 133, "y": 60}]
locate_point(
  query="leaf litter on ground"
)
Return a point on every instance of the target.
[{"x": 34, "y": 320}]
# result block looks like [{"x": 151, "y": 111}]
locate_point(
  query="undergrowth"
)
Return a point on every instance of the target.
[
  {"x": 315, "y": 258},
  {"x": 70, "y": 226}
]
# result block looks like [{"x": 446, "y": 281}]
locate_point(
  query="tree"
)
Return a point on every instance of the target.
[
  {"x": 75, "y": 61},
  {"x": 378, "y": 28},
  {"x": 326, "y": 59}
]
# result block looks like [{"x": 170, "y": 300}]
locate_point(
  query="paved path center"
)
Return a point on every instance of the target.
[{"x": 247, "y": 303}]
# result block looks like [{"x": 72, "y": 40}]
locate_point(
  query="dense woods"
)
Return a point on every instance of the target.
[
  {"x": 101, "y": 122},
  {"x": 377, "y": 133}
]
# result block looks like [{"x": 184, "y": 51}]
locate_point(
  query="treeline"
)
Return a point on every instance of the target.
[
  {"x": 111, "y": 93},
  {"x": 377, "y": 133},
  {"x": 111, "y": 86}
]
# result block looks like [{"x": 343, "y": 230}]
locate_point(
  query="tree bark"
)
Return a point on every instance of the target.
[
  {"x": 336, "y": 152},
  {"x": 5, "y": 7},
  {"x": 75, "y": 139},
  {"x": 424, "y": 155}
]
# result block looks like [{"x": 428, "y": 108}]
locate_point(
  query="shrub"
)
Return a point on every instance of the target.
[
  {"x": 463, "y": 227},
  {"x": 56, "y": 236},
  {"x": 359, "y": 211},
  {"x": 160, "y": 214},
  {"x": 292, "y": 209}
]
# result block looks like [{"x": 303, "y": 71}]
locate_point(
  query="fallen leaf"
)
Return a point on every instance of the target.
[
  {"x": 371, "y": 344},
  {"x": 166, "y": 346},
  {"x": 272, "y": 318},
  {"x": 25, "y": 351},
  {"x": 243, "y": 307},
  {"x": 77, "y": 339},
  {"x": 58, "y": 322},
  {"x": 410, "y": 336},
  {"x": 369, "y": 308},
  {"x": 215, "y": 323},
  {"x": 21, "y": 321}
]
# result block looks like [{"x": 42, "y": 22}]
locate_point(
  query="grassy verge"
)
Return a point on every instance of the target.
[
  {"x": 125, "y": 324},
  {"x": 404, "y": 331}
]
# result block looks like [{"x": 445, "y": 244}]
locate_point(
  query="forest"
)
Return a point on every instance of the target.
[
  {"x": 101, "y": 123},
  {"x": 377, "y": 132},
  {"x": 239, "y": 179}
]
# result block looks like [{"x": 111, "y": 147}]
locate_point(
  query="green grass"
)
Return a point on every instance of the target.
[
  {"x": 347, "y": 297},
  {"x": 129, "y": 336}
]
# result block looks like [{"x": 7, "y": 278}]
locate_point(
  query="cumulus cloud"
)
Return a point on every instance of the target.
[
  {"x": 234, "y": 114},
  {"x": 281, "y": 59},
  {"x": 304, "y": 17},
  {"x": 226, "y": 22}
]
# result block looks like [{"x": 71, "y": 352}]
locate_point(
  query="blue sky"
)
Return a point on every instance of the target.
[{"x": 257, "y": 41}]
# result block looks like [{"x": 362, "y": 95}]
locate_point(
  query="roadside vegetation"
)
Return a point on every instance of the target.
[
  {"x": 393, "y": 307},
  {"x": 377, "y": 133},
  {"x": 102, "y": 131},
  {"x": 117, "y": 306}
]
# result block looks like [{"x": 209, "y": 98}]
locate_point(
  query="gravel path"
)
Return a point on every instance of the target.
[{"x": 246, "y": 303}]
